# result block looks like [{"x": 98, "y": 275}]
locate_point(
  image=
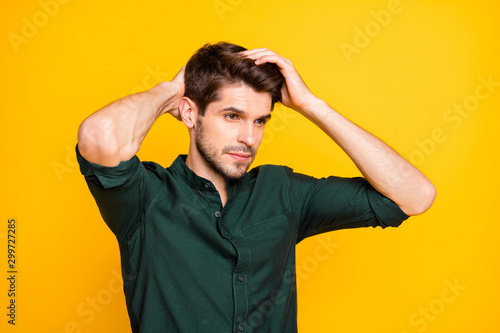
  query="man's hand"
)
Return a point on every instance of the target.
[
  {"x": 178, "y": 87},
  {"x": 295, "y": 94},
  {"x": 383, "y": 167}
]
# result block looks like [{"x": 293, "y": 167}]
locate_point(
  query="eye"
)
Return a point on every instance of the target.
[
  {"x": 261, "y": 121},
  {"x": 232, "y": 116}
]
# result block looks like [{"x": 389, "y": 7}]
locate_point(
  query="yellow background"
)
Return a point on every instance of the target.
[{"x": 408, "y": 71}]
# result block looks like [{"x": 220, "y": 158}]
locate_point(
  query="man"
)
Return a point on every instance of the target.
[{"x": 205, "y": 245}]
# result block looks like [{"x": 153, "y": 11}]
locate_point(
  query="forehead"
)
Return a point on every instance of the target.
[{"x": 244, "y": 98}]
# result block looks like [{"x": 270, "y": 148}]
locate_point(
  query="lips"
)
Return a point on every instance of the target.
[{"x": 241, "y": 157}]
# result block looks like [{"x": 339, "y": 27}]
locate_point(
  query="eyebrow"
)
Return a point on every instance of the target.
[{"x": 241, "y": 112}]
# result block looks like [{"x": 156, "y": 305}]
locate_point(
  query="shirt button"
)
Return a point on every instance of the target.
[
  {"x": 217, "y": 214},
  {"x": 241, "y": 278},
  {"x": 207, "y": 185},
  {"x": 241, "y": 328}
]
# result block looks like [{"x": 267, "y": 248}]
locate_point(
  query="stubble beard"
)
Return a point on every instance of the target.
[{"x": 209, "y": 153}]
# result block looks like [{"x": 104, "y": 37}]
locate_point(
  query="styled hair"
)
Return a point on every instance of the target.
[{"x": 215, "y": 66}]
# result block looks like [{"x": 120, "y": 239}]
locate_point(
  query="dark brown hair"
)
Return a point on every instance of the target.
[{"x": 215, "y": 66}]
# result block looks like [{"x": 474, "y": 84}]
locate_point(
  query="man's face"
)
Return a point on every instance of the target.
[{"x": 230, "y": 132}]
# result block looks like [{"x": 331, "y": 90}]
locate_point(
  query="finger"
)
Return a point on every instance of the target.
[
  {"x": 252, "y": 51},
  {"x": 180, "y": 74},
  {"x": 282, "y": 63},
  {"x": 264, "y": 55},
  {"x": 259, "y": 54}
]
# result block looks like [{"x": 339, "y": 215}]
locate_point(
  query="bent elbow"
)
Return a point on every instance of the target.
[
  {"x": 96, "y": 139},
  {"x": 423, "y": 200}
]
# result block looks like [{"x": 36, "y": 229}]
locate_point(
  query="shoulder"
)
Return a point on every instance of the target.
[{"x": 270, "y": 171}]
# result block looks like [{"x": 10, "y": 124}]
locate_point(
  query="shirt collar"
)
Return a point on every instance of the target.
[{"x": 179, "y": 166}]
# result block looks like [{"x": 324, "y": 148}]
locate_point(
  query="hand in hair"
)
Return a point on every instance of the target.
[
  {"x": 178, "y": 82},
  {"x": 386, "y": 170},
  {"x": 295, "y": 93}
]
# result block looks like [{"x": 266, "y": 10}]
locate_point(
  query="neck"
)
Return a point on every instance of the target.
[{"x": 200, "y": 167}]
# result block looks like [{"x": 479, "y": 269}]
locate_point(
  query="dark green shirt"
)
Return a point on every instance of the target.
[{"x": 191, "y": 265}]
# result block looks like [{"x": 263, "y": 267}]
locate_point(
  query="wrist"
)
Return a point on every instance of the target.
[
  {"x": 312, "y": 106},
  {"x": 168, "y": 94}
]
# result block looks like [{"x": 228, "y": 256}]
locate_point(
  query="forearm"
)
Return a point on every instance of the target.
[
  {"x": 115, "y": 132},
  {"x": 383, "y": 167}
]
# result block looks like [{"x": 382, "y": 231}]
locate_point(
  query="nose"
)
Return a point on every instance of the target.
[{"x": 247, "y": 134}]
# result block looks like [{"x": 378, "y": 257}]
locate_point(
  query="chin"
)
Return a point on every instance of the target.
[
  {"x": 234, "y": 175},
  {"x": 236, "y": 172}
]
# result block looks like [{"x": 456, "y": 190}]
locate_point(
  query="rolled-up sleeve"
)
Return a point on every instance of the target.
[
  {"x": 334, "y": 203},
  {"x": 121, "y": 193}
]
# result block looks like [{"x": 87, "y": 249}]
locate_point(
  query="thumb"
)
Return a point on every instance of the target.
[
  {"x": 179, "y": 77},
  {"x": 179, "y": 81}
]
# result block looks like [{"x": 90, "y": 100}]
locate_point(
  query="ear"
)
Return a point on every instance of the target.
[{"x": 188, "y": 112}]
